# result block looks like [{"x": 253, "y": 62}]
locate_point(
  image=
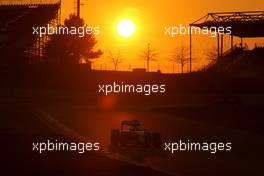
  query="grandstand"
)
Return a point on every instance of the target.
[
  {"x": 240, "y": 63},
  {"x": 244, "y": 25},
  {"x": 16, "y": 21}
]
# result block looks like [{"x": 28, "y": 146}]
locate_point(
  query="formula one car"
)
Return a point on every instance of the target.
[{"x": 132, "y": 135}]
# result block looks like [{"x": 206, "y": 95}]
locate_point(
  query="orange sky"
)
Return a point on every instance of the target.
[{"x": 151, "y": 17}]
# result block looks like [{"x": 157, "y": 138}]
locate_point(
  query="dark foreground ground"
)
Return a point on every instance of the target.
[
  {"x": 20, "y": 127},
  {"x": 195, "y": 117}
]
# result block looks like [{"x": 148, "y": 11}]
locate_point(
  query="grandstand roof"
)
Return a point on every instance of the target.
[
  {"x": 17, "y": 20},
  {"x": 243, "y": 24},
  {"x": 28, "y": 2}
]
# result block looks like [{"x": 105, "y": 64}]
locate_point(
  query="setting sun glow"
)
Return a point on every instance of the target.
[{"x": 126, "y": 28}]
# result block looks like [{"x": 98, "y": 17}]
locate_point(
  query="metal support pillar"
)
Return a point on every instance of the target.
[
  {"x": 218, "y": 46},
  {"x": 222, "y": 44},
  {"x": 241, "y": 42},
  {"x": 190, "y": 48},
  {"x": 232, "y": 43}
]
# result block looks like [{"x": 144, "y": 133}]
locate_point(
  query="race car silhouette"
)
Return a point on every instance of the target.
[{"x": 132, "y": 135}]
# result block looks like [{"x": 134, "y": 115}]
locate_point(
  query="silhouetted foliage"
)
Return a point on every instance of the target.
[
  {"x": 149, "y": 55},
  {"x": 211, "y": 55},
  {"x": 181, "y": 56},
  {"x": 115, "y": 59},
  {"x": 70, "y": 48}
]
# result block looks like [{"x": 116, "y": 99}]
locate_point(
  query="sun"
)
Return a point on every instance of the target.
[{"x": 126, "y": 28}]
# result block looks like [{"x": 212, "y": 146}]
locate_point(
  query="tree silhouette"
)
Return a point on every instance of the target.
[
  {"x": 115, "y": 59},
  {"x": 181, "y": 56},
  {"x": 149, "y": 55},
  {"x": 70, "y": 48},
  {"x": 211, "y": 55}
]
